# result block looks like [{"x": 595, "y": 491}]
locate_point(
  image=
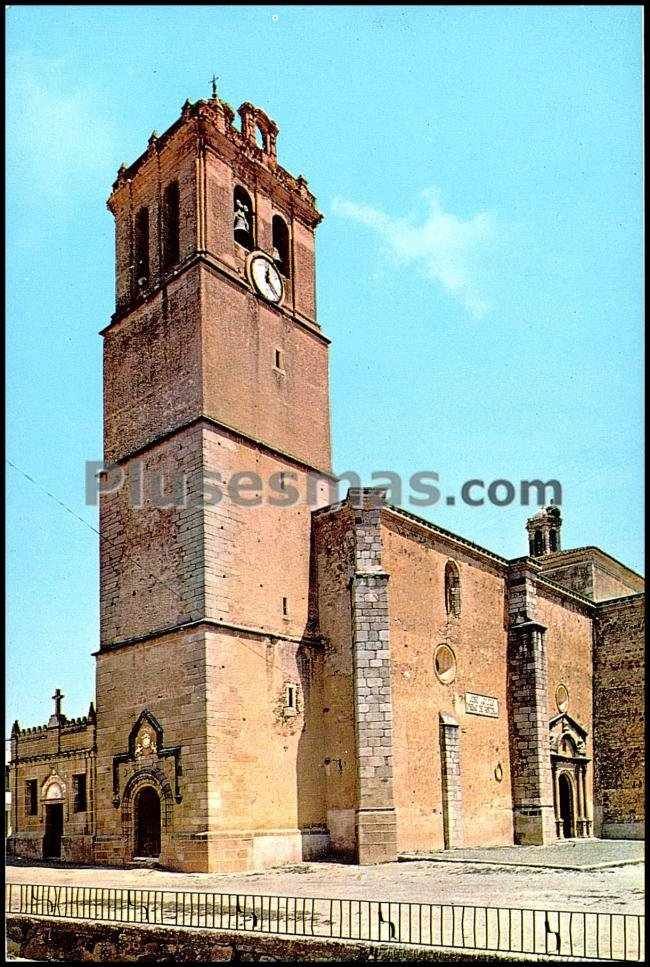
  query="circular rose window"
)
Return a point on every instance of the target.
[
  {"x": 561, "y": 698},
  {"x": 444, "y": 663}
]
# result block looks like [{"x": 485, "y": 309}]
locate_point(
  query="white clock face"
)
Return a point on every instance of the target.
[{"x": 265, "y": 277}]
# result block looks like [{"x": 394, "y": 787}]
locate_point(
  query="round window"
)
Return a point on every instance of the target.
[
  {"x": 444, "y": 663},
  {"x": 561, "y": 698}
]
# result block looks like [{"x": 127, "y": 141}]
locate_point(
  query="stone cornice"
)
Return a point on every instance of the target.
[
  {"x": 245, "y": 438},
  {"x": 462, "y": 543},
  {"x": 544, "y": 583},
  {"x": 60, "y": 754},
  {"x": 589, "y": 554},
  {"x": 626, "y": 601},
  {"x": 210, "y": 624}
]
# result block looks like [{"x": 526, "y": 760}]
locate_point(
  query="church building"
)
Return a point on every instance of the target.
[{"x": 285, "y": 673}]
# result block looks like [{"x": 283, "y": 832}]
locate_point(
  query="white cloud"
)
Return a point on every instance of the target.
[{"x": 446, "y": 247}]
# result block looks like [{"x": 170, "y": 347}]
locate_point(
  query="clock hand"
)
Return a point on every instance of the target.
[{"x": 270, "y": 280}]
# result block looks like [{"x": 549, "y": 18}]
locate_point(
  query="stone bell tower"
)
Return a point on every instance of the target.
[
  {"x": 544, "y": 529},
  {"x": 215, "y": 399}
]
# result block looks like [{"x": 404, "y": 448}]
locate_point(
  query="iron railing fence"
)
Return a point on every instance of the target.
[{"x": 556, "y": 933}]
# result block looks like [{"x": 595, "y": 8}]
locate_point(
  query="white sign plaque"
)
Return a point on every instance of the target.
[{"x": 481, "y": 705}]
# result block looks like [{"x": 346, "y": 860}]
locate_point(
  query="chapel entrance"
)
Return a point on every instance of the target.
[
  {"x": 569, "y": 766},
  {"x": 566, "y": 806},
  {"x": 147, "y": 824},
  {"x": 53, "y": 831}
]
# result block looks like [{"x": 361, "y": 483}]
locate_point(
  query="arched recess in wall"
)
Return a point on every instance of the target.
[
  {"x": 281, "y": 247},
  {"x": 243, "y": 218},
  {"x": 159, "y": 782},
  {"x": 452, "y": 589}
]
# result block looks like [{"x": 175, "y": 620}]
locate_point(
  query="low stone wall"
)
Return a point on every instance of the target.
[
  {"x": 75, "y": 848},
  {"x": 27, "y": 846},
  {"x": 41, "y": 939}
]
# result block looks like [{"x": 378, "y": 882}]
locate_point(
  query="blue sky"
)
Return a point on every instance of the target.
[{"x": 479, "y": 266}]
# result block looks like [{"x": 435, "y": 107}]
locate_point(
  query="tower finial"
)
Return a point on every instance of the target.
[{"x": 214, "y": 87}]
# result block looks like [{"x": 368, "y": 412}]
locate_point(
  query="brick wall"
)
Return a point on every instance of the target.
[
  {"x": 333, "y": 551},
  {"x": 287, "y": 407},
  {"x": 619, "y": 718},
  {"x": 569, "y": 650},
  {"x": 415, "y": 556}
]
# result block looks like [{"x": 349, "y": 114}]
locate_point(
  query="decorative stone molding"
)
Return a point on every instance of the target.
[
  {"x": 53, "y": 789},
  {"x": 147, "y": 724}
]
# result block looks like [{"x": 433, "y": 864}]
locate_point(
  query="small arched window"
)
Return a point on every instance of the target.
[
  {"x": 281, "y": 255},
  {"x": 171, "y": 215},
  {"x": 452, "y": 589},
  {"x": 141, "y": 246},
  {"x": 552, "y": 540},
  {"x": 538, "y": 543},
  {"x": 243, "y": 218}
]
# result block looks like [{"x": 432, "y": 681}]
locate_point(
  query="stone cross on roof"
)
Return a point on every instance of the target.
[
  {"x": 58, "y": 697},
  {"x": 56, "y": 716}
]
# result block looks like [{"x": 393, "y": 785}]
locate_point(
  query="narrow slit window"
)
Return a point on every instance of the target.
[
  {"x": 141, "y": 241},
  {"x": 290, "y": 699},
  {"x": 452, "y": 589},
  {"x": 79, "y": 792},
  {"x": 285, "y": 603},
  {"x": 278, "y": 359},
  {"x": 171, "y": 232},
  {"x": 31, "y": 797}
]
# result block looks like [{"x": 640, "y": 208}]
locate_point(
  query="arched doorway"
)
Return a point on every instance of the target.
[
  {"x": 567, "y": 807},
  {"x": 569, "y": 765},
  {"x": 146, "y": 811}
]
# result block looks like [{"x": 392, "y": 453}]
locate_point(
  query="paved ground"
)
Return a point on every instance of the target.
[
  {"x": 617, "y": 889},
  {"x": 573, "y": 854}
]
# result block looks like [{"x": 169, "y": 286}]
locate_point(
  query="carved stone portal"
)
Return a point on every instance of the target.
[{"x": 569, "y": 765}]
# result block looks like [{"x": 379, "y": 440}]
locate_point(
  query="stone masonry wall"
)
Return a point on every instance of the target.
[
  {"x": 619, "y": 718},
  {"x": 73, "y": 941},
  {"x": 530, "y": 762},
  {"x": 333, "y": 539},
  {"x": 452, "y": 799},
  {"x": 59, "y": 751},
  {"x": 376, "y": 823},
  {"x": 568, "y": 642},
  {"x": 166, "y": 676}
]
